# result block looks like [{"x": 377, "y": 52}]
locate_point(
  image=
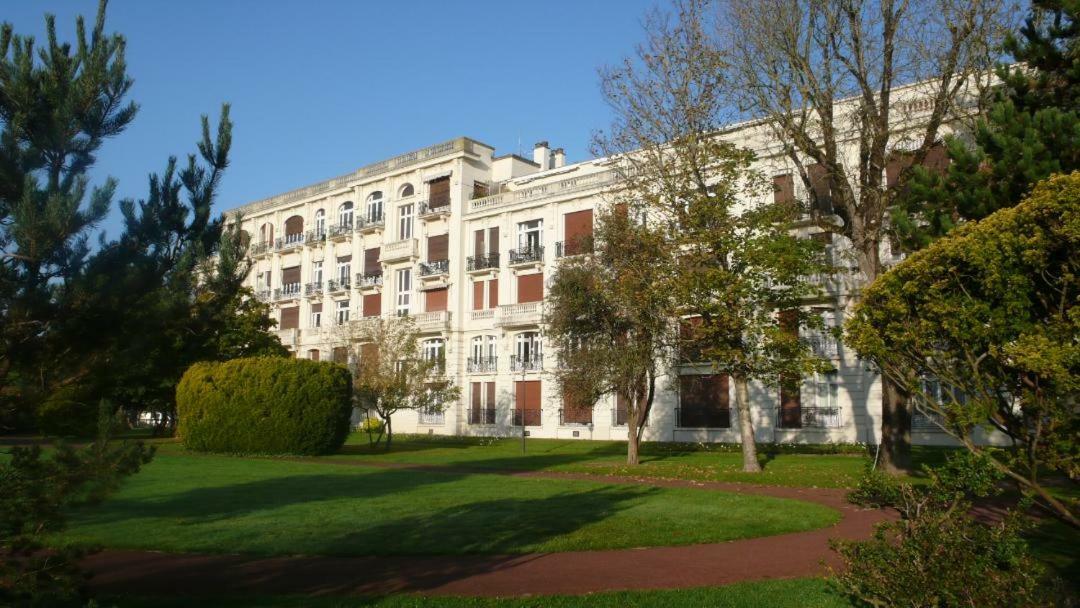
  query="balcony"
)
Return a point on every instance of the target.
[
  {"x": 261, "y": 249},
  {"x": 434, "y": 208},
  {"x": 430, "y": 322},
  {"x": 482, "y": 365},
  {"x": 339, "y": 232},
  {"x": 702, "y": 418},
  {"x": 519, "y": 315},
  {"x": 486, "y": 314},
  {"x": 436, "y": 269},
  {"x": 288, "y": 337},
  {"x": 476, "y": 263},
  {"x": 533, "y": 363},
  {"x": 263, "y": 295},
  {"x": 289, "y": 241},
  {"x": 562, "y": 250},
  {"x": 337, "y": 285},
  {"x": 404, "y": 249},
  {"x": 481, "y": 415},
  {"x": 369, "y": 282},
  {"x": 313, "y": 289},
  {"x": 809, "y": 417},
  {"x": 527, "y": 256},
  {"x": 927, "y": 422},
  {"x": 527, "y": 417},
  {"x": 371, "y": 223},
  {"x": 290, "y": 291},
  {"x": 571, "y": 417},
  {"x": 824, "y": 345},
  {"x": 315, "y": 238},
  {"x": 431, "y": 417}
]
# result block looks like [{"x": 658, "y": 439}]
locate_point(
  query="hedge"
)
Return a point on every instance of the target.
[{"x": 264, "y": 405}]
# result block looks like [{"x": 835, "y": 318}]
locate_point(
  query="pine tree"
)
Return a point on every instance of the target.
[{"x": 1030, "y": 132}]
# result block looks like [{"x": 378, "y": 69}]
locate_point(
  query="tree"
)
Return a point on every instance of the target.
[
  {"x": 827, "y": 80},
  {"x": 609, "y": 314},
  {"x": 391, "y": 375},
  {"x": 1030, "y": 132},
  {"x": 735, "y": 259},
  {"x": 989, "y": 314}
]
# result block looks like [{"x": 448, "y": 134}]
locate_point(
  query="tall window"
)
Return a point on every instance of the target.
[
  {"x": 344, "y": 269},
  {"x": 435, "y": 350},
  {"x": 404, "y": 292},
  {"x": 342, "y": 312},
  {"x": 316, "y": 272},
  {"x": 482, "y": 353},
  {"x": 320, "y": 222},
  {"x": 316, "y": 316},
  {"x": 529, "y": 234},
  {"x": 374, "y": 206},
  {"x": 527, "y": 346},
  {"x": 345, "y": 214},
  {"x": 405, "y": 222}
]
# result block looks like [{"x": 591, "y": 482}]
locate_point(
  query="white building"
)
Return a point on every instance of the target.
[{"x": 465, "y": 241}]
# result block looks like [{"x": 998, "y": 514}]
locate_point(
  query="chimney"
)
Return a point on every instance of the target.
[
  {"x": 560, "y": 157},
  {"x": 542, "y": 155}
]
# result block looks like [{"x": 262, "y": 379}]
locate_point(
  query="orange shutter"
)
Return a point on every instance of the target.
[
  {"x": 313, "y": 354},
  {"x": 478, "y": 295},
  {"x": 577, "y": 232},
  {"x": 340, "y": 354},
  {"x": 493, "y": 293},
  {"x": 439, "y": 192},
  {"x": 478, "y": 243},
  {"x": 294, "y": 225},
  {"x": 316, "y": 307},
  {"x": 373, "y": 305},
  {"x": 438, "y": 247},
  {"x": 490, "y": 386},
  {"x": 290, "y": 317},
  {"x": 530, "y": 288},
  {"x": 783, "y": 189},
  {"x": 820, "y": 188},
  {"x": 371, "y": 262},
  {"x": 290, "y": 275},
  {"x": 435, "y": 300},
  {"x": 476, "y": 393},
  {"x": 493, "y": 240}
]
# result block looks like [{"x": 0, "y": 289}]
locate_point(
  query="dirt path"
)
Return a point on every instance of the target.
[{"x": 784, "y": 556}]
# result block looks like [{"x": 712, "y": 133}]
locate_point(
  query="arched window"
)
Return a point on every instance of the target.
[
  {"x": 294, "y": 229},
  {"x": 345, "y": 214},
  {"x": 406, "y": 190},
  {"x": 374, "y": 207},
  {"x": 245, "y": 239},
  {"x": 266, "y": 233},
  {"x": 320, "y": 222},
  {"x": 528, "y": 352}
]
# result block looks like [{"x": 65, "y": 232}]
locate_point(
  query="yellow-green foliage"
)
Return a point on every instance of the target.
[{"x": 265, "y": 405}]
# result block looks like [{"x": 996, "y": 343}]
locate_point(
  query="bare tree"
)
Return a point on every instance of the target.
[
  {"x": 842, "y": 85},
  {"x": 734, "y": 265}
]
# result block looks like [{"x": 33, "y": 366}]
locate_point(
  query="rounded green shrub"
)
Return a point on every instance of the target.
[{"x": 264, "y": 405}]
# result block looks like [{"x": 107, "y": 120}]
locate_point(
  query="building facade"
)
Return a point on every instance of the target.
[{"x": 465, "y": 242}]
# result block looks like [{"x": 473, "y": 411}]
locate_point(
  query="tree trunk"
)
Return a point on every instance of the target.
[
  {"x": 895, "y": 454},
  {"x": 746, "y": 426},
  {"x": 632, "y": 442},
  {"x": 389, "y": 431}
]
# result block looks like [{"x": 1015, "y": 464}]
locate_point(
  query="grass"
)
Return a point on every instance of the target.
[
  {"x": 796, "y": 593},
  {"x": 192, "y": 503},
  {"x": 797, "y": 466}
]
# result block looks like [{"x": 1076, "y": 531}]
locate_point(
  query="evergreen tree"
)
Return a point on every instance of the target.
[{"x": 1030, "y": 132}]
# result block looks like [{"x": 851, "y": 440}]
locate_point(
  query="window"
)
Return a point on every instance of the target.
[
  {"x": 703, "y": 401},
  {"x": 316, "y": 272},
  {"x": 827, "y": 390},
  {"x": 528, "y": 352},
  {"x": 266, "y": 233},
  {"x": 482, "y": 403},
  {"x": 435, "y": 350},
  {"x": 316, "y": 315},
  {"x": 313, "y": 354},
  {"x": 482, "y": 354},
  {"x": 320, "y": 222},
  {"x": 342, "y": 312},
  {"x": 405, "y": 222},
  {"x": 294, "y": 229},
  {"x": 344, "y": 269},
  {"x": 345, "y": 214},
  {"x": 374, "y": 206},
  {"x": 263, "y": 279},
  {"x": 406, "y": 191},
  {"x": 529, "y": 235},
  {"x": 404, "y": 292}
]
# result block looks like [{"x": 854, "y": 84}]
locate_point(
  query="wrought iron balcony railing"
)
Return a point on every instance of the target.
[
  {"x": 809, "y": 417},
  {"x": 369, "y": 280},
  {"x": 482, "y": 365},
  {"x": 337, "y": 285},
  {"x": 313, "y": 289},
  {"x": 572, "y": 416},
  {"x": 437, "y": 267},
  {"x": 482, "y": 262},
  {"x": 527, "y": 255},
  {"x": 287, "y": 291},
  {"x": 533, "y": 363},
  {"x": 527, "y": 417},
  {"x": 340, "y": 230},
  {"x": 702, "y": 418},
  {"x": 479, "y": 415}
]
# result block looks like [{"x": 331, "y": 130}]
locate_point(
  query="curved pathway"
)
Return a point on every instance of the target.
[{"x": 783, "y": 556}]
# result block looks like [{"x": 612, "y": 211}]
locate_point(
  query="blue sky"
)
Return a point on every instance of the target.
[{"x": 323, "y": 87}]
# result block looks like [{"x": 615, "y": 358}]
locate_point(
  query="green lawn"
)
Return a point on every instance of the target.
[
  {"x": 805, "y": 466},
  {"x": 797, "y": 593},
  {"x": 191, "y": 503}
]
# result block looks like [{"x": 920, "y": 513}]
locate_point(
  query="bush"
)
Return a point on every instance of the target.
[
  {"x": 68, "y": 412},
  {"x": 266, "y": 405}
]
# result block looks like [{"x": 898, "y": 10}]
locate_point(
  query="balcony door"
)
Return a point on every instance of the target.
[
  {"x": 405, "y": 222},
  {"x": 529, "y": 235}
]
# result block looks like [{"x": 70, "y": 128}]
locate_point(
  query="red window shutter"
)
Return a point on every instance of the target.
[
  {"x": 373, "y": 305},
  {"x": 578, "y": 227},
  {"x": 490, "y": 388},
  {"x": 784, "y": 189},
  {"x": 340, "y": 354},
  {"x": 439, "y": 192},
  {"x": 371, "y": 262},
  {"x": 290, "y": 275},
  {"x": 493, "y": 293},
  {"x": 369, "y": 353},
  {"x": 937, "y": 159},
  {"x": 478, "y": 295},
  {"x": 894, "y": 166},
  {"x": 820, "y": 188},
  {"x": 294, "y": 225},
  {"x": 478, "y": 244},
  {"x": 476, "y": 394},
  {"x": 720, "y": 396},
  {"x": 344, "y": 259},
  {"x": 438, "y": 247},
  {"x": 313, "y": 354},
  {"x": 493, "y": 240},
  {"x": 290, "y": 317},
  {"x": 575, "y": 411},
  {"x": 530, "y": 287},
  {"x": 789, "y": 321},
  {"x": 435, "y": 300},
  {"x": 317, "y": 307}
]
